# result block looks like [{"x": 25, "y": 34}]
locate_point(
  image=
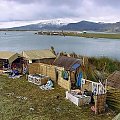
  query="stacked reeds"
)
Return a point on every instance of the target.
[{"x": 100, "y": 102}]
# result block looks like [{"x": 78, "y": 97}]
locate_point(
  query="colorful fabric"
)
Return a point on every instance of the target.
[
  {"x": 65, "y": 75},
  {"x": 98, "y": 88},
  {"x": 95, "y": 88},
  {"x": 83, "y": 81},
  {"x": 25, "y": 70},
  {"x": 49, "y": 83},
  {"x": 101, "y": 89},
  {"x": 48, "y": 86}
]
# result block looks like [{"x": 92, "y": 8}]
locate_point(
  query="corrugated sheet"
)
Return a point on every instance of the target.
[
  {"x": 38, "y": 54},
  {"x": 66, "y": 62},
  {"x": 114, "y": 80}
]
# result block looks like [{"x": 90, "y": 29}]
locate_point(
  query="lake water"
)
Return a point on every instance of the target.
[{"x": 19, "y": 41}]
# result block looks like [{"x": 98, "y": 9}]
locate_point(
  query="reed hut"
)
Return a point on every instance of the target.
[
  {"x": 10, "y": 60},
  {"x": 39, "y": 56},
  {"x": 113, "y": 80},
  {"x": 68, "y": 69}
]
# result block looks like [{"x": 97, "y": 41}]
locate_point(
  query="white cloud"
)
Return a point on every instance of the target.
[{"x": 27, "y": 11}]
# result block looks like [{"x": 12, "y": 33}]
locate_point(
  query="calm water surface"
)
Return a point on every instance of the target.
[{"x": 19, "y": 41}]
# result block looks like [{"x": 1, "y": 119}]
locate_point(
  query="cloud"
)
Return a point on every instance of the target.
[
  {"x": 111, "y": 3},
  {"x": 29, "y": 10},
  {"x": 13, "y": 10}
]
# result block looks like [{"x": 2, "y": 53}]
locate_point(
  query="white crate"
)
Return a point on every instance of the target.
[{"x": 78, "y": 99}]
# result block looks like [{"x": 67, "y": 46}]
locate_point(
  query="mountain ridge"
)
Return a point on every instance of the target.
[{"x": 78, "y": 26}]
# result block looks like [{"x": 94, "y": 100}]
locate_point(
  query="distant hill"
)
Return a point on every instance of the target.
[
  {"x": 84, "y": 25},
  {"x": 39, "y": 26},
  {"x": 92, "y": 26},
  {"x": 79, "y": 26}
]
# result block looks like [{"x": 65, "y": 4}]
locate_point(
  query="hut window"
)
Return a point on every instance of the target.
[{"x": 65, "y": 75}]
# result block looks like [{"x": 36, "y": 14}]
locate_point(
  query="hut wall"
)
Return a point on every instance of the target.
[
  {"x": 45, "y": 69},
  {"x": 62, "y": 82},
  {"x": 33, "y": 68},
  {"x": 48, "y": 61},
  {"x": 100, "y": 102}
]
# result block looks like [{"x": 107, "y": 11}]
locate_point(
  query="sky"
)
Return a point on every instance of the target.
[{"x": 23, "y": 12}]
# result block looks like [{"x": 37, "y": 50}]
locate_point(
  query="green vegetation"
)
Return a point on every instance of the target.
[
  {"x": 113, "y": 99},
  {"x": 105, "y": 64},
  {"x": 93, "y": 35},
  {"x": 84, "y": 34},
  {"x": 21, "y": 100},
  {"x": 97, "y": 68},
  {"x": 101, "y": 68}
]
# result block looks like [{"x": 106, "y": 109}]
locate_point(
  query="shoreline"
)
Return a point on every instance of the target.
[{"x": 84, "y": 34}]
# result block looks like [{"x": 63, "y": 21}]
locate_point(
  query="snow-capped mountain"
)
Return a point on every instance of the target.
[
  {"x": 37, "y": 23},
  {"x": 52, "y": 24}
]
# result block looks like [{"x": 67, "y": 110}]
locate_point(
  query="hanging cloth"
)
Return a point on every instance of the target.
[
  {"x": 95, "y": 88},
  {"x": 79, "y": 78},
  {"x": 65, "y": 75}
]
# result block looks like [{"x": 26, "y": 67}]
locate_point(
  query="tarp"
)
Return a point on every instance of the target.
[{"x": 75, "y": 66}]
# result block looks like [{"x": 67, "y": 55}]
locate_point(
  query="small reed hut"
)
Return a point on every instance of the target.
[
  {"x": 68, "y": 69},
  {"x": 10, "y": 60},
  {"x": 39, "y": 56},
  {"x": 113, "y": 80}
]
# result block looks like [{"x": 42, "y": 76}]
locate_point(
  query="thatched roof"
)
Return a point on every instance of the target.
[
  {"x": 114, "y": 80},
  {"x": 38, "y": 54},
  {"x": 6, "y": 54},
  {"x": 10, "y": 56},
  {"x": 67, "y": 62}
]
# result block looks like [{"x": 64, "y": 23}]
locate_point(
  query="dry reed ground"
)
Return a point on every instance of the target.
[{"x": 21, "y": 100}]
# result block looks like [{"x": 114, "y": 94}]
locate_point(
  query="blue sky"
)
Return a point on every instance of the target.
[{"x": 21, "y": 12}]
